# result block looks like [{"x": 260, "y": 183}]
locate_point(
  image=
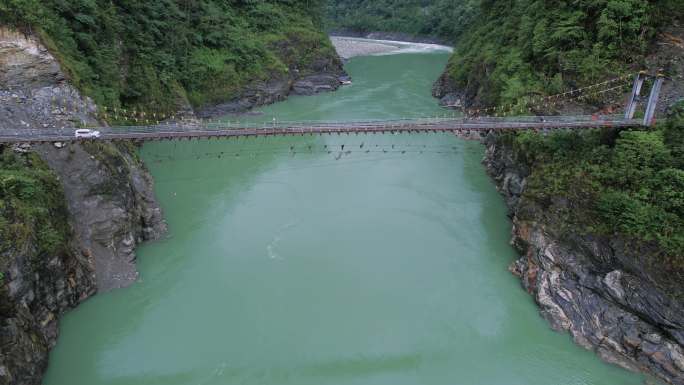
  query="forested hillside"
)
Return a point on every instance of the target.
[
  {"x": 444, "y": 19},
  {"x": 157, "y": 52},
  {"x": 529, "y": 47}
]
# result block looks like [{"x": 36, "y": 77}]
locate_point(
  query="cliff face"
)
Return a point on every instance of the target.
[
  {"x": 36, "y": 285},
  {"x": 589, "y": 285},
  {"x": 110, "y": 196},
  {"x": 106, "y": 194}
]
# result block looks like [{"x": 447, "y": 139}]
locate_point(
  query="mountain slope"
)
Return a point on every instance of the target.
[
  {"x": 537, "y": 47},
  {"x": 158, "y": 53}
]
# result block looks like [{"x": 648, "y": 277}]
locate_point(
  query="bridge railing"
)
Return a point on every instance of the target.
[{"x": 206, "y": 128}]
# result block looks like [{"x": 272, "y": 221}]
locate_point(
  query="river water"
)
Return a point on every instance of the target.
[{"x": 326, "y": 260}]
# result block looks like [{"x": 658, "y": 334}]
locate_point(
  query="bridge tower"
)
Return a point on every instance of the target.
[
  {"x": 635, "y": 98},
  {"x": 649, "y": 116},
  {"x": 633, "y": 101}
]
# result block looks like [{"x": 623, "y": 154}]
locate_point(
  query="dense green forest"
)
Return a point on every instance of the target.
[
  {"x": 444, "y": 19},
  {"x": 151, "y": 53},
  {"x": 536, "y": 47}
]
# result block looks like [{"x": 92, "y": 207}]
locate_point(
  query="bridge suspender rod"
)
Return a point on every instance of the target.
[
  {"x": 649, "y": 116},
  {"x": 634, "y": 98}
]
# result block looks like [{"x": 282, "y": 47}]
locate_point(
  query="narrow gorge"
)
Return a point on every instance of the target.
[{"x": 339, "y": 259}]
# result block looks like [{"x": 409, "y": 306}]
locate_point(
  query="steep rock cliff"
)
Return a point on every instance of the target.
[
  {"x": 42, "y": 272},
  {"x": 590, "y": 285},
  {"x": 105, "y": 195}
]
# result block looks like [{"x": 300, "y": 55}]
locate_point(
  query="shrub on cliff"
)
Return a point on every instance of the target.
[{"x": 33, "y": 213}]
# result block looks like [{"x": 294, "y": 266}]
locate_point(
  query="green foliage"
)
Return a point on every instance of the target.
[
  {"x": 674, "y": 136},
  {"x": 531, "y": 47},
  {"x": 632, "y": 185},
  {"x": 437, "y": 18},
  {"x": 152, "y": 54},
  {"x": 33, "y": 215}
]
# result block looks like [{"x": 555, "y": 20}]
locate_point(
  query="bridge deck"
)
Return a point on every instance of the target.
[{"x": 224, "y": 130}]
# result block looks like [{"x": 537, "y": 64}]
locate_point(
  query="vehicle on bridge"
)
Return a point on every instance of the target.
[{"x": 86, "y": 133}]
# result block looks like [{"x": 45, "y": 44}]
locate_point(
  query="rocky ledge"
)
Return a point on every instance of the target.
[{"x": 590, "y": 286}]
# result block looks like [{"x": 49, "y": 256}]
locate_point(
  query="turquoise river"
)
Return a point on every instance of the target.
[{"x": 326, "y": 260}]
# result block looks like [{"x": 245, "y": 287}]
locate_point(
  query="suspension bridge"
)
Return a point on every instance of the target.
[{"x": 505, "y": 118}]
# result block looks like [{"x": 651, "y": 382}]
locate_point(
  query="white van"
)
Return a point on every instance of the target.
[{"x": 85, "y": 133}]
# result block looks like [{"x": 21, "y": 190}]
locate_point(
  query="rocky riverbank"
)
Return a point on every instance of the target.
[
  {"x": 108, "y": 201},
  {"x": 591, "y": 286},
  {"x": 327, "y": 78},
  {"x": 324, "y": 74},
  {"x": 605, "y": 292}
]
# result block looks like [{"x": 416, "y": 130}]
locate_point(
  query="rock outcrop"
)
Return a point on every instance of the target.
[
  {"x": 34, "y": 292},
  {"x": 592, "y": 286},
  {"x": 29, "y": 326},
  {"x": 110, "y": 196},
  {"x": 323, "y": 75},
  {"x": 109, "y": 201},
  {"x": 448, "y": 93}
]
